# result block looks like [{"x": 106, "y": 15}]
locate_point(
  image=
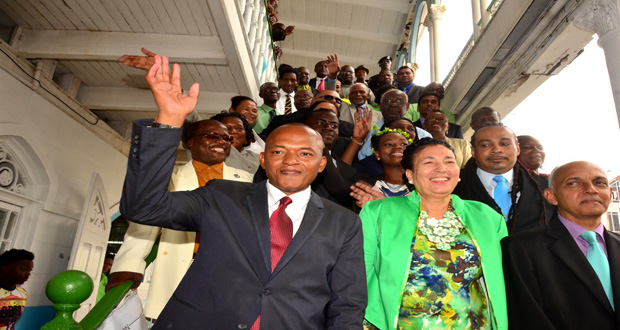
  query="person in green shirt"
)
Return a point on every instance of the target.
[
  {"x": 434, "y": 88},
  {"x": 270, "y": 94},
  {"x": 433, "y": 260},
  {"x": 105, "y": 271}
]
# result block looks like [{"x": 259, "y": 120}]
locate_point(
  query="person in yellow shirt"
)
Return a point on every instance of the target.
[{"x": 15, "y": 268}]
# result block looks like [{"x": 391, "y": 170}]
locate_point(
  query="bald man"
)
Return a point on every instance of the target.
[{"x": 566, "y": 275}]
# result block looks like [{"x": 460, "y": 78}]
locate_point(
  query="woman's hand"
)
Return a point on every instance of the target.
[
  {"x": 363, "y": 192},
  {"x": 362, "y": 124},
  {"x": 173, "y": 105}
]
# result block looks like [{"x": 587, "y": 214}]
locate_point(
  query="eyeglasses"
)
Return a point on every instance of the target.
[
  {"x": 441, "y": 120},
  {"x": 214, "y": 136},
  {"x": 331, "y": 98},
  {"x": 271, "y": 89},
  {"x": 303, "y": 97},
  {"x": 390, "y": 102}
]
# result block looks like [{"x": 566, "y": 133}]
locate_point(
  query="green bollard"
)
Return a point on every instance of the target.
[{"x": 67, "y": 290}]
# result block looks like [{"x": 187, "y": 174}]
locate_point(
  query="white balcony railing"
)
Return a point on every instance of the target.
[{"x": 258, "y": 32}]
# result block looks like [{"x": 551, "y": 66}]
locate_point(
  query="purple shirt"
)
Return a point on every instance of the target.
[{"x": 575, "y": 230}]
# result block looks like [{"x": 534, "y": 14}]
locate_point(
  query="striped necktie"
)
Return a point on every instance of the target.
[{"x": 288, "y": 106}]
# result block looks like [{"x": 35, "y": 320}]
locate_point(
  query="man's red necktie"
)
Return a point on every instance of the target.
[
  {"x": 321, "y": 86},
  {"x": 281, "y": 228}
]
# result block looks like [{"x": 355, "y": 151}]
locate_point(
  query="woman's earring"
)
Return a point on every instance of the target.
[
  {"x": 411, "y": 182},
  {"x": 459, "y": 179}
]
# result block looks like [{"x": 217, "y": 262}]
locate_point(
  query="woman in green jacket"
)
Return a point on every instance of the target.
[{"x": 433, "y": 261}]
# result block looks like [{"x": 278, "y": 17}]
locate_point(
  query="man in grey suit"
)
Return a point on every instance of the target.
[
  {"x": 566, "y": 275},
  {"x": 275, "y": 255}
]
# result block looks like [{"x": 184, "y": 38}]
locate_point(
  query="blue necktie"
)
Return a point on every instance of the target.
[
  {"x": 501, "y": 195},
  {"x": 598, "y": 260}
]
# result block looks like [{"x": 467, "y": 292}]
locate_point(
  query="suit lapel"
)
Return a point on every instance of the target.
[
  {"x": 566, "y": 249},
  {"x": 260, "y": 258},
  {"x": 477, "y": 190},
  {"x": 613, "y": 255},
  {"x": 185, "y": 178},
  {"x": 312, "y": 217}
]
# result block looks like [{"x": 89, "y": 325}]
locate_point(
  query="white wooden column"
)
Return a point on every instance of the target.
[
  {"x": 431, "y": 46},
  {"x": 253, "y": 27},
  {"x": 435, "y": 14},
  {"x": 603, "y": 18},
  {"x": 247, "y": 15},
  {"x": 261, "y": 35},
  {"x": 485, "y": 15},
  {"x": 475, "y": 16},
  {"x": 242, "y": 6}
]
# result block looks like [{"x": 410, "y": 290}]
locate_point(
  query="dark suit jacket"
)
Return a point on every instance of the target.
[
  {"x": 454, "y": 131},
  {"x": 528, "y": 207},
  {"x": 319, "y": 283},
  {"x": 312, "y": 82},
  {"x": 551, "y": 285},
  {"x": 414, "y": 93}
]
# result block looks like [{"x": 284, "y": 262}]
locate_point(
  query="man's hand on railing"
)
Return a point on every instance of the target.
[
  {"x": 118, "y": 278},
  {"x": 139, "y": 62},
  {"x": 333, "y": 66}
]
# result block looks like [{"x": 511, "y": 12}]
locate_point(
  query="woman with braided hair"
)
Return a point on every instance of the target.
[{"x": 433, "y": 260}]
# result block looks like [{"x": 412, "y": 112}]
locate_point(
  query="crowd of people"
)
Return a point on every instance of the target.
[{"x": 358, "y": 203}]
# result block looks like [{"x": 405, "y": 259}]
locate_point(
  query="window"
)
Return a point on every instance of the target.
[
  {"x": 9, "y": 217},
  {"x": 615, "y": 190},
  {"x": 614, "y": 221}
]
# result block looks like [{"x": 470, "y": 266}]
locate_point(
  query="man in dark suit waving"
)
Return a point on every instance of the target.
[
  {"x": 272, "y": 255},
  {"x": 566, "y": 275}
]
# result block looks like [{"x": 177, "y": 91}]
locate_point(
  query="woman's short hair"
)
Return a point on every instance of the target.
[
  {"x": 414, "y": 149},
  {"x": 246, "y": 126},
  {"x": 235, "y": 101}
]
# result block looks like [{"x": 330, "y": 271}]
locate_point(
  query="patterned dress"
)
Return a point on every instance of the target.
[{"x": 443, "y": 290}]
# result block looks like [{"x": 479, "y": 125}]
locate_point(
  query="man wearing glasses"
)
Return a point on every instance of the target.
[
  {"x": 346, "y": 128},
  {"x": 209, "y": 144}
]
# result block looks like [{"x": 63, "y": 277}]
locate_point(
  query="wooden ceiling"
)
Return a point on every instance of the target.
[
  {"x": 79, "y": 42},
  {"x": 83, "y": 39},
  {"x": 359, "y": 31}
]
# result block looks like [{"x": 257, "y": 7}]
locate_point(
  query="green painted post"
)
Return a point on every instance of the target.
[{"x": 67, "y": 290}]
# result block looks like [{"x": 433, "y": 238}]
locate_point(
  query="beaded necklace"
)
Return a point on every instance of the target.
[{"x": 442, "y": 232}]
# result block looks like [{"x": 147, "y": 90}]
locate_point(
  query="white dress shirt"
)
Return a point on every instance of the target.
[
  {"x": 257, "y": 146},
  {"x": 295, "y": 210},
  {"x": 281, "y": 104},
  {"x": 489, "y": 184},
  {"x": 318, "y": 82}
]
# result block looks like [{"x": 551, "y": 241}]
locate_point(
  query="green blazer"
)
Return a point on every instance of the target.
[{"x": 389, "y": 225}]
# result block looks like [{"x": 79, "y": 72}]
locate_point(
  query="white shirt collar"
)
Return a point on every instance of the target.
[
  {"x": 295, "y": 210},
  {"x": 487, "y": 179}
]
